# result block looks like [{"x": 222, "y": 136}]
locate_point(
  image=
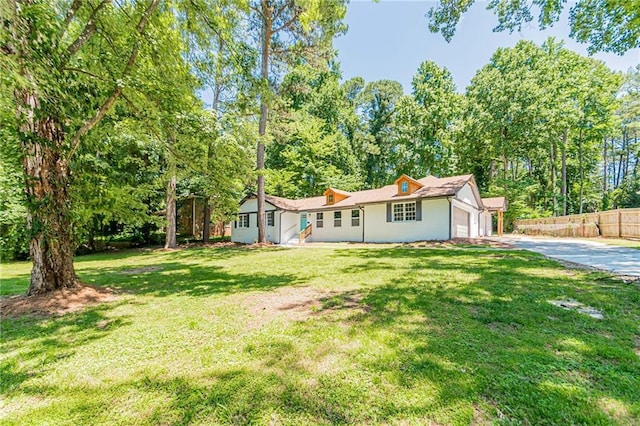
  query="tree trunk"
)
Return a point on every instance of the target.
[
  {"x": 626, "y": 139},
  {"x": 580, "y": 160},
  {"x": 604, "y": 171},
  {"x": 48, "y": 216},
  {"x": 170, "y": 236},
  {"x": 262, "y": 128},
  {"x": 206, "y": 228},
  {"x": 554, "y": 155},
  {"x": 564, "y": 172}
]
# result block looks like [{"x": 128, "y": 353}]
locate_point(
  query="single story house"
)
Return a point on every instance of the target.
[{"x": 410, "y": 209}]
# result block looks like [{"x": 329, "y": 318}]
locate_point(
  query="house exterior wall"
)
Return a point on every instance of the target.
[
  {"x": 290, "y": 225},
  {"x": 474, "y": 217},
  {"x": 433, "y": 226},
  {"x": 485, "y": 224},
  {"x": 436, "y": 223},
  {"x": 331, "y": 233},
  {"x": 250, "y": 235},
  {"x": 466, "y": 194}
]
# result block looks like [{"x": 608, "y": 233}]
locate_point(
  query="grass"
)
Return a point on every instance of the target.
[{"x": 327, "y": 336}]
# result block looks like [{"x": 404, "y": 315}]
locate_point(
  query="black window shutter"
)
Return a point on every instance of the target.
[
  {"x": 388, "y": 212},
  {"x": 418, "y": 209},
  {"x": 235, "y": 223}
]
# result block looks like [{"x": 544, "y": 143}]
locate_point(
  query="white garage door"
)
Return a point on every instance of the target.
[{"x": 460, "y": 223}]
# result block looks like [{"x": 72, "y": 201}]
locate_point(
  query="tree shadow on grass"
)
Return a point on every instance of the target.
[
  {"x": 33, "y": 345},
  {"x": 145, "y": 257},
  {"x": 277, "y": 389},
  {"x": 185, "y": 279},
  {"x": 531, "y": 361},
  {"x": 434, "y": 347}
]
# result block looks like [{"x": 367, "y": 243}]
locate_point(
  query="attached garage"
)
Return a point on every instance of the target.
[{"x": 461, "y": 223}]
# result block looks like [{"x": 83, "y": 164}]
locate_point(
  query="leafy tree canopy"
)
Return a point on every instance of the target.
[{"x": 607, "y": 25}]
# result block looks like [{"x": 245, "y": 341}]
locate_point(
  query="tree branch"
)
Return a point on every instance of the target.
[
  {"x": 287, "y": 24},
  {"x": 258, "y": 11},
  {"x": 89, "y": 29},
  {"x": 99, "y": 115},
  {"x": 81, "y": 71},
  {"x": 70, "y": 14}
]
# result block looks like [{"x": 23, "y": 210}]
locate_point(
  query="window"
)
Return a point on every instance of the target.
[
  {"x": 398, "y": 212},
  {"x": 403, "y": 212},
  {"x": 355, "y": 217},
  {"x": 270, "y": 217},
  {"x": 337, "y": 219},
  {"x": 404, "y": 187},
  {"x": 410, "y": 211},
  {"x": 319, "y": 220},
  {"x": 243, "y": 220},
  {"x": 330, "y": 199}
]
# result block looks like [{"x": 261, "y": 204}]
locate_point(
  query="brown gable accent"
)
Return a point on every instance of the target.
[
  {"x": 335, "y": 196},
  {"x": 410, "y": 183}
]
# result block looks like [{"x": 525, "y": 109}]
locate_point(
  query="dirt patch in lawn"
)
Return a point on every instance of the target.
[
  {"x": 58, "y": 302},
  {"x": 140, "y": 270},
  {"x": 301, "y": 303},
  {"x": 460, "y": 241}
]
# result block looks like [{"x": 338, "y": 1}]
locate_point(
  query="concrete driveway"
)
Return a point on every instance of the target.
[{"x": 619, "y": 260}]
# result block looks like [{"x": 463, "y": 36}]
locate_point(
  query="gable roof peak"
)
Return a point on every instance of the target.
[
  {"x": 407, "y": 177},
  {"x": 337, "y": 191}
]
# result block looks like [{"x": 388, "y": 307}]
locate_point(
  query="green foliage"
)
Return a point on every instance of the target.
[
  {"x": 117, "y": 181},
  {"x": 377, "y": 102},
  {"x": 310, "y": 152},
  {"x": 534, "y": 120},
  {"x": 609, "y": 26},
  {"x": 14, "y": 235}
]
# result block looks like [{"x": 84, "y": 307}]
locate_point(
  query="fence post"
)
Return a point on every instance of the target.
[{"x": 619, "y": 223}]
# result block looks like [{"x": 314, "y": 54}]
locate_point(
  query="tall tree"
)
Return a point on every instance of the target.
[
  {"x": 287, "y": 29},
  {"x": 68, "y": 64},
  {"x": 377, "y": 104},
  {"x": 534, "y": 120},
  {"x": 435, "y": 92},
  {"x": 310, "y": 152}
]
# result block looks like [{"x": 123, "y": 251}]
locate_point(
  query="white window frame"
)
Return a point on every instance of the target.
[
  {"x": 355, "y": 219},
  {"x": 270, "y": 218},
  {"x": 243, "y": 220},
  {"x": 404, "y": 186},
  {"x": 319, "y": 220},
  {"x": 337, "y": 219},
  {"x": 404, "y": 212}
]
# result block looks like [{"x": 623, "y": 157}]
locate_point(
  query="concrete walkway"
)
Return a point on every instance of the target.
[{"x": 619, "y": 260}]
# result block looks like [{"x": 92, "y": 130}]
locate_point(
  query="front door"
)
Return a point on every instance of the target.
[{"x": 303, "y": 220}]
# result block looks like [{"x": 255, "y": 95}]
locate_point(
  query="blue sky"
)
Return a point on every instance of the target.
[{"x": 389, "y": 40}]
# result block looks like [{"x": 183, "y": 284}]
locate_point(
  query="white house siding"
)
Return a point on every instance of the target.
[
  {"x": 485, "y": 224},
  {"x": 474, "y": 217},
  {"x": 290, "y": 226},
  {"x": 433, "y": 226},
  {"x": 250, "y": 235},
  {"x": 330, "y": 233},
  {"x": 466, "y": 194}
]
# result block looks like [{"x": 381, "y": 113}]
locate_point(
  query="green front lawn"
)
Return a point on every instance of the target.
[{"x": 327, "y": 335}]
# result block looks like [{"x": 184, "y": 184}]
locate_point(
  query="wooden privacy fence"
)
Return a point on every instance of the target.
[{"x": 621, "y": 223}]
